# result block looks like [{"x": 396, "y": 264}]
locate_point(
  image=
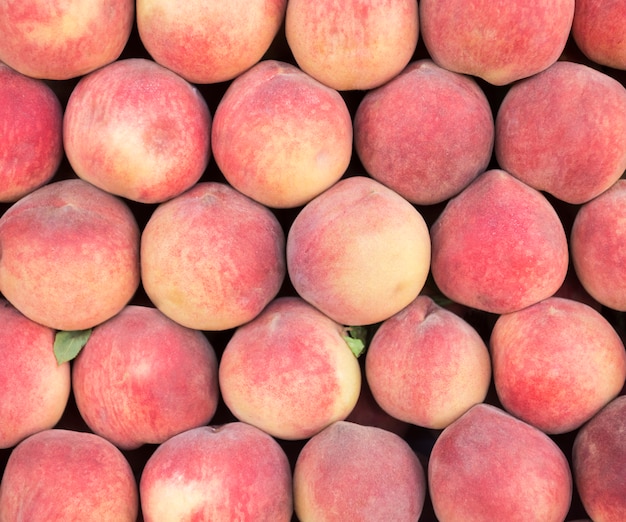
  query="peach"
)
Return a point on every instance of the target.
[
  {"x": 137, "y": 130},
  {"x": 209, "y": 42},
  {"x": 499, "y": 245},
  {"x": 500, "y": 42},
  {"x": 281, "y": 137},
  {"x": 596, "y": 245},
  {"x": 31, "y": 121},
  {"x": 598, "y": 30},
  {"x": 142, "y": 378},
  {"x": 598, "y": 462},
  {"x": 556, "y": 363},
  {"x": 355, "y": 44},
  {"x": 229, "y": 472},
  {"x": 354, "y": 472},
  {"x": 289, "y": 371},
  {"x": 411, "y": 134},
  {"x": 35, "y": 389},
  {"x": 69, "y": 255},
  {"x": 61, "y": 40},
  {"x": 349, "y": 262},
  {"x": 544, "y": 138},
  {"x": 427, "y": 366},
  {"x": 488, "y": 465},
  {"x": 212, "y": 258},
  {"x": 60, "y": 474}
]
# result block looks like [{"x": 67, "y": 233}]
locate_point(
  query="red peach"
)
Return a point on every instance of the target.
[
  {"x": 31, "y": 121},
  {"x": 488, "y": 465},
  {"x": 69, "y": 255},
  {"x": 354, "y": 472},
  {"x": 137, "y": 130},
  {"x": 289, "y": 371},
  {"x": 499, "y": 245},
  {"x": 281, "y": 137},
  {"x": 556, "y": 363},
  {"x": 142, "y": 378},
  {"x": 229, "y": 472},
  {"x": 411, "y": 134}
]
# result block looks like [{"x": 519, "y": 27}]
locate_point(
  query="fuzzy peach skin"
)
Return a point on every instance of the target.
[
  {"x": 598, "y": 462},
  {"x": 354, "y": 44},
  {"x": 137, "y": 130},
  {"x": 488, "y": 465},
  {"x": 229, "y": 472},
  {"x": 69, "y": 255},
  {"x": 35, "y": 389},
  {"x": 290, "y": 371},
  {"x": 209, "y": 42},
  {"x": 212, "y": 258},
  {"x": 499, "y": 245},
  {"x": 143, "y": 378},
  {"x": 63, "y": 39},
  {"x": 427, "y": 366},
  {"x": 60, "y": 474},
  {"x": 499, "y": 41},
  {"x": 359, "y": 252},
  {"x": 546, "y": 140},
  {"x": 596, "y": 245},
  {"x": 598, "y": 30},
  {"x": 556, "y": 363},
  {"x": 281, "y": 137},
  {"x": 31, "y": 126},
  {"x": 426, "y": 134},
  {"x": 354, "y": 472}
]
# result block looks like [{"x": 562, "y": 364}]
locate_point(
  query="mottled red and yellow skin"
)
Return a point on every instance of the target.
[
  {"x": 59, "y": 474},
  {"x": 499, "y": 245},
  {"x": 349, "y": 471},
  {"x": 137, "y": 130},
  {"x": 289, "y": 371},
  {"x": 488, "y": 465},
  {"x": 209, "y": 42},
  {"x": 63, "y": 39},
  {"x": 229, "y": 472},
  {"x": 599, "y": 460},
  {"x": 70, "y": 255},
  {"x": 31, "y": 126},
  {"x": 499, "y": 41},
  {"x": 354, "y": 44}
]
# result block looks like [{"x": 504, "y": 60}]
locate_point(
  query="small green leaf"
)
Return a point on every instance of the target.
[
  {"x": 68, "y": 344},
  {"x": 355, "y": 338}
]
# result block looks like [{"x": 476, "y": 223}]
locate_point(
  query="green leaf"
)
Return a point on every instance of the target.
[
  {"x": 68, "y": 344},
  {"x": 355, "y": 338}
]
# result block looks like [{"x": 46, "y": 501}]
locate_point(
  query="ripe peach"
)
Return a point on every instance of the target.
[
  {"x": 427, "y": 366},
  {"x": 349, "y": 262},
  {"x": 544, "y": 138},
  {"x": 354, "y": 44},
  {"x": 488, "y": 465},
  {"x": 289, "y": 371},
  {"x": 212, "y": 258},
  {"x": 31, "y": 121},
  {"x": 34, "y": 387},
  {"x": 499, "y": 245},
  {"x": 208, "y": 42},
  {"x": 59, "y": 474},
  {"x": 69, "y": 255},
  {"x": 142, "y": 378},
  {"x": 60, "y": 40},
  {"x": 229, "y": 472},
  {"x": 281, "y": 137},
  {"x": 556, "y": 363},
  {"x": 411, "y": 134},
  {"x": 349, "y": 471},
  {"x": 500, "y": 42},
  {"x": 137, "y": 130}
]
